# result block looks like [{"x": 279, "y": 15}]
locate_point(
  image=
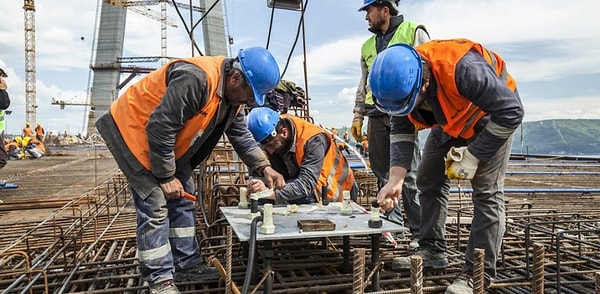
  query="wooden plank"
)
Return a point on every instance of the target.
[{"x": 316, "y": 225}]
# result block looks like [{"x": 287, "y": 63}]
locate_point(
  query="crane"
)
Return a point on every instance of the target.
[
  {"x": 30, "y": 99},
  {"x": 134, "y": 5},
  {"x": 62, "y": 103},
  {"x": 162, "y": 17}
]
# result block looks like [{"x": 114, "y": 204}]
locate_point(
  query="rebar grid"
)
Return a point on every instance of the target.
[{"x": 88, "y": 246}]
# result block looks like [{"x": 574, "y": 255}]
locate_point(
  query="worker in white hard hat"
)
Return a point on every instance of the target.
[{"x": 4, "y": 104}]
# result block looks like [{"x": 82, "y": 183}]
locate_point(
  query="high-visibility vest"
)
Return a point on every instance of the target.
[
  {"x": 460, "y": 113},
  {"x": 2, "y": 122},
  {"x": 336, "y": 174},
  {"x": 133, "y": 109},
  {"x": 405, "y": 33}
]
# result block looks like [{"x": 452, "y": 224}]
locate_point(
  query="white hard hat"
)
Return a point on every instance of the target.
[{"x": 3, "y": 69}]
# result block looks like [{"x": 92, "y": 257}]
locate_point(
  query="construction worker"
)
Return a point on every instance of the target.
[
  {"x": 4, "y": 104},
  {"x": 27, "y": 130},
  {"x": 39, "y": 132},
  {"x": 162, "y": 128},
  {"x": 343, "y": 146},
  {"x": 35, "y": 148},
  {"x": 13, "y": 149},
  {"x": 364, "y": 145},
  {"x": 334, "y": 131},
  {"x": 388, "y": 28},
  {"x": 466, "y": 95},
  {"x": 305, "y": 154}
]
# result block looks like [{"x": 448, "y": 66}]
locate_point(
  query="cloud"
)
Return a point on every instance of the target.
[
  {"x": 568, "y": 107},
  {"x": 548, "y": 45}
]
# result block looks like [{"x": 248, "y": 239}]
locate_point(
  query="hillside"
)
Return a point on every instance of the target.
[
  {"x": 575, "y": 137},
  {"x": 559, "y": 136}
]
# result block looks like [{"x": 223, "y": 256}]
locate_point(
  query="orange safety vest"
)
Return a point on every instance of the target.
[
  {"x": 39, "y": 130},
  {"x": 39, "y": 144},
  {"x": 461, "y": 114},
  {"x": 133, "y": 109},
  {"x": 335, "y": 173},
  {"x": 365, "y": 145},
  {"x": 13, "y": 143}
]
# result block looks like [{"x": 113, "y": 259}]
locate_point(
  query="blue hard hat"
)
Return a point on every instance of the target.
[
  {"x": 369, "y": 2},
  {"x": 261, "y": 71},
  {"x": 396, "y": 78},
  {"x": 262, "y": 122}
]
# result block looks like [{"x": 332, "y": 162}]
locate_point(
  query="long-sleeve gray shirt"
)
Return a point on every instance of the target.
[
  {"x": 478, "y": 82},
  {"x": 186, "y": 94}
]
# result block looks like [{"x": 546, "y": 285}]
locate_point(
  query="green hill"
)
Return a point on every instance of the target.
[
  {"x": 558, "y": 136},
  {"x": 574, "y": 137}
]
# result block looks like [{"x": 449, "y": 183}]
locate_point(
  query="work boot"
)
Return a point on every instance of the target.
[
  {"x": 463, "y": 284},
  {"x": 164, "y": 287},
  {"x": 433, "y": 260},
  {"x": 196, "y": 273},
  {"x": 413, "y": 244}
]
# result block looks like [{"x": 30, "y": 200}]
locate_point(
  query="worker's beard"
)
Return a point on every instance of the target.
[{"x": 284, "y": 148}]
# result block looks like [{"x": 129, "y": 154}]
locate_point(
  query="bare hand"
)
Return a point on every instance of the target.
[
  {"x": 256, "y": 185},
  {"x": 3, "y": 85},
  {"x": 274, "y": 179},
  {"x": 387, "y": 198},
  {"x": 173, "y": 189}
]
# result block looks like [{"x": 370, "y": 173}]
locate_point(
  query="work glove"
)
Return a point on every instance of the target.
[
  {"x": 3, "y": 85},
  {"x": 356, "y": 129},
  {"x": 461, "y": 164}
]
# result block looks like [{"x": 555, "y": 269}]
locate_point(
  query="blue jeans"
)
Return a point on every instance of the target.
[{"x": 166, "y": 235}]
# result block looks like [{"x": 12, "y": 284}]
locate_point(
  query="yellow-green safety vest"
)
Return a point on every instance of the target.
[{"x": 405, "y": 33}]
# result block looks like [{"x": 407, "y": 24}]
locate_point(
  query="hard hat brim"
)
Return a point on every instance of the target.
[
  {"x": 401, "y": 111},
  {"x": 411, "y": 100},
  {"x": 364, "y": 7}
]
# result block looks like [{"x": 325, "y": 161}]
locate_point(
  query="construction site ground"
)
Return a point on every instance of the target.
[
  {"x": 70, "y": 228},
  {"x": 65, "y": 174}
]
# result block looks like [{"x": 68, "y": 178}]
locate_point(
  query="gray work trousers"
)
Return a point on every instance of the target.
[
  {"x": 378, "y": 132},
  {"x": 489, "y": 220}
]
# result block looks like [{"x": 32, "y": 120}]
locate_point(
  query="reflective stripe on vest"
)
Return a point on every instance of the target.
[
  {"x": 335, "y": 172},
  {"x": 133, "y": 109},
  {"x": 461, "y": 114},
  {"x": 405, "y": 33}
]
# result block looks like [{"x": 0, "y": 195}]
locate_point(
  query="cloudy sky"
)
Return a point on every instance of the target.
[{"x": 550, "y": 46}]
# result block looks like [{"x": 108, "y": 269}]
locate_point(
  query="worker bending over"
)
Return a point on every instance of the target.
[
  {"x": 305, "y": 154},
  {"x": 161, "y": 129},
  {"x": 465, "y": 94}
]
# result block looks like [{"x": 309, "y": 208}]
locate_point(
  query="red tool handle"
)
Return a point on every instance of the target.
[{"x": 189, "y": 196}]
